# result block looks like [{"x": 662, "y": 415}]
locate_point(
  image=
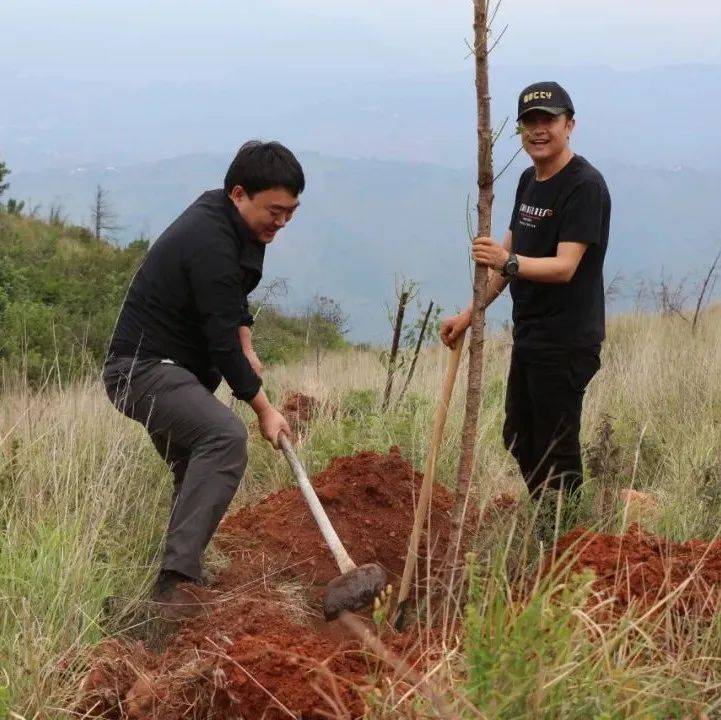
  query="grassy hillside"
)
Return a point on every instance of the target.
[
  {"x": 60, "y": 292},
  {"x": 84, "y": 502}
]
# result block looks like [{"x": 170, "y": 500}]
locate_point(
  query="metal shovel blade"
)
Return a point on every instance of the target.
[{"x": 353, "y": 590}]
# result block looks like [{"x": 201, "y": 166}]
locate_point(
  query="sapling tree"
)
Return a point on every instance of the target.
[
  {"x": 481, "y": 26},
  {"x": 425, "y": 329},
  {"x": 405, "y": 293}
]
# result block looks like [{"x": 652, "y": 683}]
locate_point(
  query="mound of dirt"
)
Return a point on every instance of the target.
[
  {"x": 369, "y": 499},
  {"x": 243, "y": 659},
  {"x": 261, "y": 648},
  {"x": 299, "y": 410},
  {"x": 641, "y": 569}
]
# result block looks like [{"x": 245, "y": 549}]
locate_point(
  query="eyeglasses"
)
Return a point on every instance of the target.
[{"x": 281, "y": 214}]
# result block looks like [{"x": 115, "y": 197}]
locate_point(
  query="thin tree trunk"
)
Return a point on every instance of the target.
[
  {"x": 416, "y": 352},
  {"x": 480, "y": 282},
  {"x": 402, "y": 302},
  {"x": 98, "y": 212},
  {"x": 703, "y": 291}
]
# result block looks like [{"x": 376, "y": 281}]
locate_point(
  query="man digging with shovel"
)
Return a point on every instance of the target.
[
  {"x": 184, "y": 324},
  {"x": 552, "y": 256}
]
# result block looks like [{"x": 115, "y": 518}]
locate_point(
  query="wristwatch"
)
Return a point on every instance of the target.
[{"x": 510, "y": 267}]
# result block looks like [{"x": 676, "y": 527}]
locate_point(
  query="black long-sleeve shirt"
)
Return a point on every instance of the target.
[{"x": 190, "y": 295}]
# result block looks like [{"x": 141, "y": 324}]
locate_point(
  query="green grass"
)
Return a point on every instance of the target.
[
  {"x": 83, "y": 502},
  {"x": 553, "y": 653},
  {"x": 60, "y": 292},
  {"x": 81, "y": 522}
]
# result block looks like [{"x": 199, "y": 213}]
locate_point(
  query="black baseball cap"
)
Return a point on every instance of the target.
[{"x": 547, "y": 96}]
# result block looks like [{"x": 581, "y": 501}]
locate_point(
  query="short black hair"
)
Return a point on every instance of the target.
[{"x": 261, "y": 166}]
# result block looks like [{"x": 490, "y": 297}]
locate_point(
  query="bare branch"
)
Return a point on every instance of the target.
[
  {"x": 671, "y": 296},
  {"x": 493, "y": 14},
  {"x": 498, "y": 132},
  {"x": 704, "y": 287},
  {"x": 471, "y": 235},
  {"x": 469, "y": 220},
  {"x": 276, "y": 287},
  {"x": 473, "y": 50},
  {"x": 470, "y": 48},
  {"x": 508, "y": 164},
  {"x": 102, "y": 216},
  {"x": 498, "y": 39}
]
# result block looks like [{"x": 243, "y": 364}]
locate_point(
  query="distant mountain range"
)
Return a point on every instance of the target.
[
  {"x": 662, "y": 116},
  {"x": 365, "y": 223}
]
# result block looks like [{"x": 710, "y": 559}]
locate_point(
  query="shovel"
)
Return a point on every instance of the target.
[
  {"x": 357, "y": 586},
  {"x": 439, "y": 422}
]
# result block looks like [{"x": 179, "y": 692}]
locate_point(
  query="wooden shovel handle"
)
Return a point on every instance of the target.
[
  {"x": 439, "y": 422},
  {"x": 342, "y": 558}
]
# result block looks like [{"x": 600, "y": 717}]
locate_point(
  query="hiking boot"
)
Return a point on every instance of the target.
[{"x": 174, "y": 596}]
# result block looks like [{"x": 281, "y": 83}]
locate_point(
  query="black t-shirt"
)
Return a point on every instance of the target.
[{"x": 572, "y": 206}]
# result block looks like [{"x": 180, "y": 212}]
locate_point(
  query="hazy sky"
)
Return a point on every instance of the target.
[
  {"x": 137, "y": 40},
  {"x": 117, "y": 82}
]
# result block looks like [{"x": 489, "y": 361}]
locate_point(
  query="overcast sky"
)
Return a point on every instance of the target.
[
  {"x": 138, "y": 40},
  {"x": 117, "y": 82}
]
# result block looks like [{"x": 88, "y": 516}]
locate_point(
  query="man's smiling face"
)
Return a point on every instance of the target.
[
  {"x": 267, "y": 211},
  {"x": 545, "y": 135}
]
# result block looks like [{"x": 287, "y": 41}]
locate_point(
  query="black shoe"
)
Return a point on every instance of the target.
[
  {"x": 168, "y": 580},
  {"x": 174, "y": 596}
]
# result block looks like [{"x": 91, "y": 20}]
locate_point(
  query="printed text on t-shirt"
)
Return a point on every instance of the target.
[{"x": 529, "y": 215}]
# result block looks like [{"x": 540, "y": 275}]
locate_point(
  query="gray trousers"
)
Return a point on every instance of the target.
[{"x": 203, "y": 442}]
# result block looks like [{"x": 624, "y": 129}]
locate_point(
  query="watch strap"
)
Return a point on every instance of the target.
[{"x": 512, "y": 258}]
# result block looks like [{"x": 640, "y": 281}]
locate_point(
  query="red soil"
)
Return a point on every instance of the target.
[
  {"x": 260, "y": 648},
  {"x": 300, "y": 409},
  {"x": 500, "y": 506},
  {"x": 253, "y": 652},
  {"x": 369, "y": 499},
  {"x": 640, "y": 569}
]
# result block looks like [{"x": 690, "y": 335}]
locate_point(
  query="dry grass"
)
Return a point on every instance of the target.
[{"x": 83, "y": 500}]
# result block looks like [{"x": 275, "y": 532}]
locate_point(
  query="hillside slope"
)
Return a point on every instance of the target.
[{"x": 60, "y": 292}]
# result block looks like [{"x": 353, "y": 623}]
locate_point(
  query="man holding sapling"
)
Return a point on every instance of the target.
[
  {"x": 552, "y": 258},
  {"x": 184, "y": 324}
]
